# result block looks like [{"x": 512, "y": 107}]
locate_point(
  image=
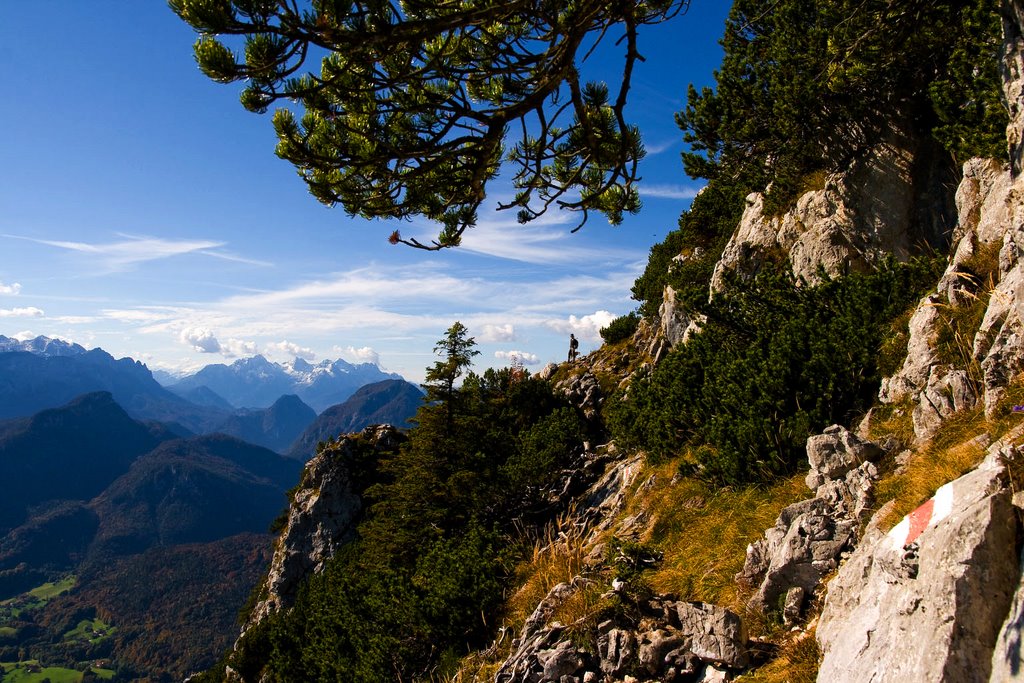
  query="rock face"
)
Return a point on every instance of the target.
[
  {"x": 322, "y": 517},
  {"x": 674, "y": 322},
  {"x": 786, "y": 567},
  {"x": 915, "y": 605},
  {"x": 938, "y": 389},
  {"x": 583, "y": 391},
  {"x": 1007, "y": 659},
  {"x": 858, "y": 216}
]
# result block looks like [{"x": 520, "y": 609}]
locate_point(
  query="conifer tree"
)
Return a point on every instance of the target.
[
  {"x": 409, "y": 112},
  {"x": 457, "y": 351}
]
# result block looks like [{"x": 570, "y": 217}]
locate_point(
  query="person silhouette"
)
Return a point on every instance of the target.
[{"x": 574, "y": 345}]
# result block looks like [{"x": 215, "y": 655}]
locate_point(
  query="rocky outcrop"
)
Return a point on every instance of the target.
[
  {"x": 675, "y": 323},
  {"x": 322, "y": 517},
  {"x": 584, "y": 391},
  {"x": 835, "y": 452},
  {"x": 663, "y": 639},
  {"x": 857, "y": 217},
  {"x": 925, "y": 601},
  {"x": 785, "y": 568}
]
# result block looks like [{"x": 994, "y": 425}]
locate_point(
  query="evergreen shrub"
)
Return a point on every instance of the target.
[
  {"x": 775, "y": 361},
  {"x": 621, "y": 328}
]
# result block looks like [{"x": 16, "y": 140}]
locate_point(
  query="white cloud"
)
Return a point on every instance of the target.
[
  {"x": 200, "y": 339},
  {"x": 588, "y": 327},
  {"x": 228, "y": 256},
  {"x": 235, "y": 348},
  {"x": 373, "y": 284},
  {"x": 361, "y": 355},
  {"x": 526, "y": 358},
  {"x": 14, "y": 288},
  {"x": 26, "y": 312},
  {"x": 546, "y": 240},
  {"x": 663, "y": 191},
  {"x": 24, "y": 335},
  {"x": 291, "y": 350},
  {"x": 498, "y": 333}
]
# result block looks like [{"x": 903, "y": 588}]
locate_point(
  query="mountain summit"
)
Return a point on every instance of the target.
[{"x": 41, "y": 346}]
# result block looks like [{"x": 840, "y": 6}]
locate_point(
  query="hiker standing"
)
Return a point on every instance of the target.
[{"x": 574, "y": 345}]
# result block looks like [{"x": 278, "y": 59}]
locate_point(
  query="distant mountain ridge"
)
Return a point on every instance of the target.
[
  {"x": 392, "y": 402},
  {"x": 45, "y": 373},
  {"x": 42, "y": 346},
  {"x": 275, "y": 427},
  {"x": 257, "y": 382},
  {"x": 72, "y": 452}
]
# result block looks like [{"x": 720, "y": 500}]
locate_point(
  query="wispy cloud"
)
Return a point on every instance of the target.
[
  {"x": 14, "y": 288},
  {"x": 546, "y": 241},
  {"x": 660, "y": 147},
  {"x": 227, "y": 256},
  {"x": 370, "y": 284},
  {"x": 26, "y": 312},
  {"x": 394, "y": 300},
  {"x": 662, "y": 191},
  {"x": 132, "y": 250}
]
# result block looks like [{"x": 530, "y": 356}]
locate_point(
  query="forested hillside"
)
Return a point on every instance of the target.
[{"x": 574, "y": 523}]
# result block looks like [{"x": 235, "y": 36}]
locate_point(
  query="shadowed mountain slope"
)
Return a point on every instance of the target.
[{"x": 389, "y": 402}]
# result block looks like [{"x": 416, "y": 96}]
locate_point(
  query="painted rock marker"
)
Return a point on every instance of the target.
[{"x": 923, "y": 518}]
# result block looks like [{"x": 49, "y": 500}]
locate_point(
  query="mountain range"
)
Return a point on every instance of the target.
[
  {"x": 281, "y": 400},
  {"x": 43, "y": 373},
  {"x": 257, "y": 382},
  {"x": 276, "y": 427},
  {"x": 156, "y": 503}
]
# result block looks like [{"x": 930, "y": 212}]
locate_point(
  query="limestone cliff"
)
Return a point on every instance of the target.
[{"x": 322, "y": 516}]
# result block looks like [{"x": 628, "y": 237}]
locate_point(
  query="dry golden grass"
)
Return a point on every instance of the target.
[
  {"x": 923, "y": 478},
  {"x": 797, "y": 662},
  {"x": 704, "y": 532},
  {"x": 480, "y": 667},
  {"x": 895, "y": 420},
  {"x": 558, "y": 556},
  {"x": 950, "y": 454}
]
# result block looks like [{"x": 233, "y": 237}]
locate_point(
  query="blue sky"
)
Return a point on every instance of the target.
[{"x": 142, "y": 210}]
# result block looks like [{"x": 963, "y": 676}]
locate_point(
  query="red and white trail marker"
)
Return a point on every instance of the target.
[{"x": 923, "y": 518}]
